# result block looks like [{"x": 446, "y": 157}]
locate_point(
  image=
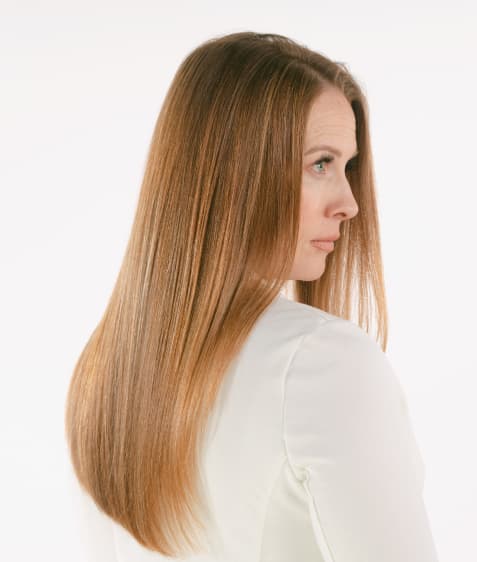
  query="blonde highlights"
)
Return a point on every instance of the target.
[{"x": 212, "y": 241}]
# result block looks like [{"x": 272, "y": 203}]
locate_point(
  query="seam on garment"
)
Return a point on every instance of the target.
[
  {"x": 280, "y": 464},
  {"x": 320, "y": 535},
  {"x": 323, "y": 545},
  {"x": 321, "y": 322}
]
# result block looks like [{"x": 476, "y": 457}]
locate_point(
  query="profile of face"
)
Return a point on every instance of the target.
[{"x": 326, "y": 196}]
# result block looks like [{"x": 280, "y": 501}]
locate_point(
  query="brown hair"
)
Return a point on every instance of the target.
[{"x": 213, "y": 237}]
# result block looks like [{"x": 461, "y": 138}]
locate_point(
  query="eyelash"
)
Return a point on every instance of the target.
[{"x": 328, "y": 159}]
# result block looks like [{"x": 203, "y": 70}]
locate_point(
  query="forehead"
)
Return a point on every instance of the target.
[{"x": 331, "y": 121}]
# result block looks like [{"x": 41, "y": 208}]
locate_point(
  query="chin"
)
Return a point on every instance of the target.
[{"x": 309, "y": 276}]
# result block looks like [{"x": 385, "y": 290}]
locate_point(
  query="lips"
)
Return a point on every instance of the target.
[
  {"x": 327, "y": 245},
  {"x": 331, "y": 238}
]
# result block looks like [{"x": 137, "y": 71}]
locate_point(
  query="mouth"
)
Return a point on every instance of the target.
[{"x": 327, "y": 245}]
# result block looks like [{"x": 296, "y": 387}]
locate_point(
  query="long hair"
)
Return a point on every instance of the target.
[{"x": 213, "y": 239}]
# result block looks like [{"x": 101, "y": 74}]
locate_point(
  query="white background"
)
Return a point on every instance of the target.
[{"x": 81, "y": 87}]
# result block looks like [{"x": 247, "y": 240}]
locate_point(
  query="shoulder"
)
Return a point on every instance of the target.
[
  {"x": 330, "y": 357},
  {"x": 326, "y": 355},
  {"x": 340, "y": 350},
  {"x": 344, "y": 405},
  {"x": 340, "y": 376},
  {"x": 324, "y": 337},
  {"x": 290, "y": 321},
  {"x": 297, "y": 312},
  {"x": 340, "y": 386}
]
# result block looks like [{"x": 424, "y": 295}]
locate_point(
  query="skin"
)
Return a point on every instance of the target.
[{"x": 326, "y": 198}]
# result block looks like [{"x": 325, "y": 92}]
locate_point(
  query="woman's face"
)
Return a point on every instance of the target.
[{"x": 326, "y": 198}]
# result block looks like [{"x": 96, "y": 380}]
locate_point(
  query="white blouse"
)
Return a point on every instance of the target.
[{"x": 310, "y": 455}]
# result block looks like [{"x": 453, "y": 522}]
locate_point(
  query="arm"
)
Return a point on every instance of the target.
[{"x": 347, "y": 429}]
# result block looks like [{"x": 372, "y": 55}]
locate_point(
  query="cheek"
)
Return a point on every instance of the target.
[{"x": 308, "y": 215}]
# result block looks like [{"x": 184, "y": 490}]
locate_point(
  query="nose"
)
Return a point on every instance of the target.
[{"x": 348, "y": 207}]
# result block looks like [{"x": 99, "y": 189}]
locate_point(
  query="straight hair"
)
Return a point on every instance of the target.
[{"x": 213, "y": 239}]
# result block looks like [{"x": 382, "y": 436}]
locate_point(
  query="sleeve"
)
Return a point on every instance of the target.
[{"x": 348, "y": 436}]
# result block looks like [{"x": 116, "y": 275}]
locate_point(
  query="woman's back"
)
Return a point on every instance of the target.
[{"x": 310, "y": 454}]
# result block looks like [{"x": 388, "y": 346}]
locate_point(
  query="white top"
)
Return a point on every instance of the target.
[{"x": 310, "y": 454}]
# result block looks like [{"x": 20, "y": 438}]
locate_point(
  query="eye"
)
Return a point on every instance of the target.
[{"x": 328, "y": 159}]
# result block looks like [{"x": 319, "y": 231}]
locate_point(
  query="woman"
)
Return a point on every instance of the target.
[{"x": 210, "y": 417}]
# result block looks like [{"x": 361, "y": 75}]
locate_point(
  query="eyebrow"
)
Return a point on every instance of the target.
[{"x": 329, "y": 148}]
